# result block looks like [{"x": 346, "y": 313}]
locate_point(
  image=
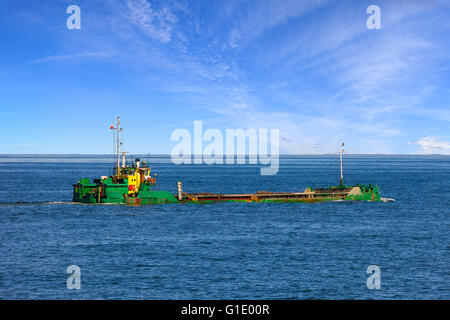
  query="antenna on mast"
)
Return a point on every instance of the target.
[
  {"x": 342, "y": 175},
  {"x": 118, "y": 144}
]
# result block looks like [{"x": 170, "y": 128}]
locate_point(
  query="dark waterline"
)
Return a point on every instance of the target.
[{"x": 227, "y": 250}]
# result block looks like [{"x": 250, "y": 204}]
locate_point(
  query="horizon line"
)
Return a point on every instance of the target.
[{"x": 223, "y": 155}]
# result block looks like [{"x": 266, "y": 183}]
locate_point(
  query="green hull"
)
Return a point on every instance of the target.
[{"x": 107, "y": 192}]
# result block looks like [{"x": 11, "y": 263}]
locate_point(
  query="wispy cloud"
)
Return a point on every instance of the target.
[
  {"x": 432, "y": 145},
  {"x": 252, "y": 19},
  {"x": 67, "y": 57},
  {"x": 156, "y": 24}
]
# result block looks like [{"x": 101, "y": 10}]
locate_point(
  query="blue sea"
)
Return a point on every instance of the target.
[{"x": 227, "y": 250}]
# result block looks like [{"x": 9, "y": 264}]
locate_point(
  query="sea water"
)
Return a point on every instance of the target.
[{"x": 227, "y": 250}]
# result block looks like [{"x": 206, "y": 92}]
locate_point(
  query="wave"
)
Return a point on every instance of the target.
[
  {"x": 28, "y": 203},
  {"x": 32, "y": 203}
]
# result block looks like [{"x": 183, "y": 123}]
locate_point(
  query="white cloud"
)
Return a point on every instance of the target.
[
  {"x": 156, "y": 24},
  {"x": 72, "y": 57},
  {"x": 432, "y": 145},
  {"x": 257, "y": 17}
]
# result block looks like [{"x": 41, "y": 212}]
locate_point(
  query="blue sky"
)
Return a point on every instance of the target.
[{"x": 309, "y": 68}]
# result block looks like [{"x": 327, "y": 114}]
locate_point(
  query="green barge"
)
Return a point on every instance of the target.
[{"x": 134, "y": 185}]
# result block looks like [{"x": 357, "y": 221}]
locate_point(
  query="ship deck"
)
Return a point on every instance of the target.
[{"x": 262, "y": 195}]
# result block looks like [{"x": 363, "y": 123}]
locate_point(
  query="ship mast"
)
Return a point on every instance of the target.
[
  {"x": 342, "y": 175},
  {"x": 118, "y": 146}
]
